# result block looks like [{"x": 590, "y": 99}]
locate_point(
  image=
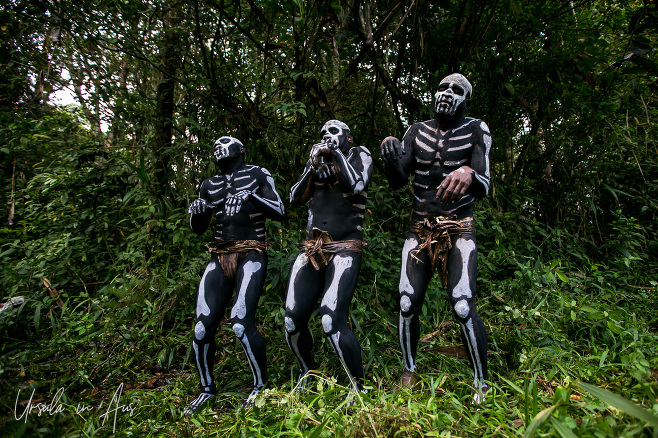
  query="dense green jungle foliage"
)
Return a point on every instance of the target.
[{"x": 99, "y": 269}]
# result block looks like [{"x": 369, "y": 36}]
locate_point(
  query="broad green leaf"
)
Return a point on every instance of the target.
[
  {"x": 539, "y": 419},
  {"x": 562, "y": 429},
  {"x": 562, "y": 276},
  {"x": 513, "y": 385},
  {"x": 621, "y": 403}
]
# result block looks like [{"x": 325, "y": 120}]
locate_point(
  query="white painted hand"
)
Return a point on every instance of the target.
[
  {"x": 325, "y": 171},
  {"x": 234, "y": 202},
  {"x": 198, "y": 206},
  {"x": 317, "y": 151},
  {"x": 391, "y": 150}
]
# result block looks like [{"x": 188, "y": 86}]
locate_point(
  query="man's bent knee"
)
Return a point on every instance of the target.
[
  {"x": 199, "y": 331},
  {"x": 328, "y": 323},
  {"x": 289, "y": 324},
  {"x": 405, "y": 303}
]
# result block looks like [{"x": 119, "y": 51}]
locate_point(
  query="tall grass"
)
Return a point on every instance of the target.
[{"x": 573, "y": 348}]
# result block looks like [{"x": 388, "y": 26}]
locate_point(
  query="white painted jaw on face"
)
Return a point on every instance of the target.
[
  {"x": 333, "y": 130},
  {"x": 221, "y": 151}
]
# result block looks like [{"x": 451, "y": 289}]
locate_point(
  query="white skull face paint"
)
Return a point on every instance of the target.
[
  {"x": 336, "y": 132},
  {"x": 453, "y": 90},
  {"x": 227, "y": 147}
]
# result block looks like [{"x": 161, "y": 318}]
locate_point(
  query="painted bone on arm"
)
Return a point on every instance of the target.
[
  {"x": 266, "y": 198},
  {"x": 354, "y": 172},
  {"x": 302, "y": 190},
  {"x": 480, "y": 162},
  {"x": 201, "y": 210}
]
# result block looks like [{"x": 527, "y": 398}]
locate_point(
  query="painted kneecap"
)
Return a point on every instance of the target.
[
  {"x": 199, "y": 331},
  {"x": 462, "y": 309},
  {"x": 327, "y": 324},
  {"x": 289, "y": 324}
]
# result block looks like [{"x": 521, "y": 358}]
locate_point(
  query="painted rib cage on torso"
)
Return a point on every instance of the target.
[
  {"x": 248, "y": 223},
  {"x": 436, "y": 154}
]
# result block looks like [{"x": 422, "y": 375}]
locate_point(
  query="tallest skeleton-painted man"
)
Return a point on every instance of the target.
[{"x": 449, "y": 158}]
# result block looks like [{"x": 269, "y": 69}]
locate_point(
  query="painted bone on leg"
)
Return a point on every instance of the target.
[
  {"x": 202, "y": 307},
  {"x": 200, "y": 346},
  {"x": 330, "y": 299},
  {"x": 292, "y": 338},
  {"x": 462, "y": 296},
  {"x": 404, "y": 325},
  {"x": 239, "y": 312},
  {"x": 330, "y": 302}
]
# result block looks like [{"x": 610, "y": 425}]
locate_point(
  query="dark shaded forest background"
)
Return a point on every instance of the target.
[{"x": 94, "y": 195}]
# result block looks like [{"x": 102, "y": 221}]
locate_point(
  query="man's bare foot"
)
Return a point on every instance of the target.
[
  {"x": 480, "y": 393},
  {"x": 249, "y": 402},
  {"x": 408, "y": 379},
  {"x": 197, "y": 403}
]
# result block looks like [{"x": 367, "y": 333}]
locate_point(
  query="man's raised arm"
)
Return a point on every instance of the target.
[
  {"x": 267, "y": 199},
  {"x": 201, "y": 211},
  {"x": 398, "y": 159},
  {"x": 353, "y": 178}
]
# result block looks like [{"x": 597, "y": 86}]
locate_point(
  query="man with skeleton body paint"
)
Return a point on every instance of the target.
[
  {"x": 334, "y": 182},
  {"x": 240, "y": 198},
  {"x": 449, "y": 158}
]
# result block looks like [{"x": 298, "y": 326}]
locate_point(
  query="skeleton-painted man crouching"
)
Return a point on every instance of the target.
[
  {"x": 334, "y": 182},
  {"x": 240, "y": 197},
  {"x": 449, "y": 159}
]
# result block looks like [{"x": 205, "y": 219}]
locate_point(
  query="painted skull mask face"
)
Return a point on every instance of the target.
[
  {"x": 227, "y": 147},
  {"x": 453, "y": 91},
  {"x": 336, "y": 132}
]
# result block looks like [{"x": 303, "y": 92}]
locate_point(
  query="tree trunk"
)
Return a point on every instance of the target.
[{"x": 164, "y": 109}]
